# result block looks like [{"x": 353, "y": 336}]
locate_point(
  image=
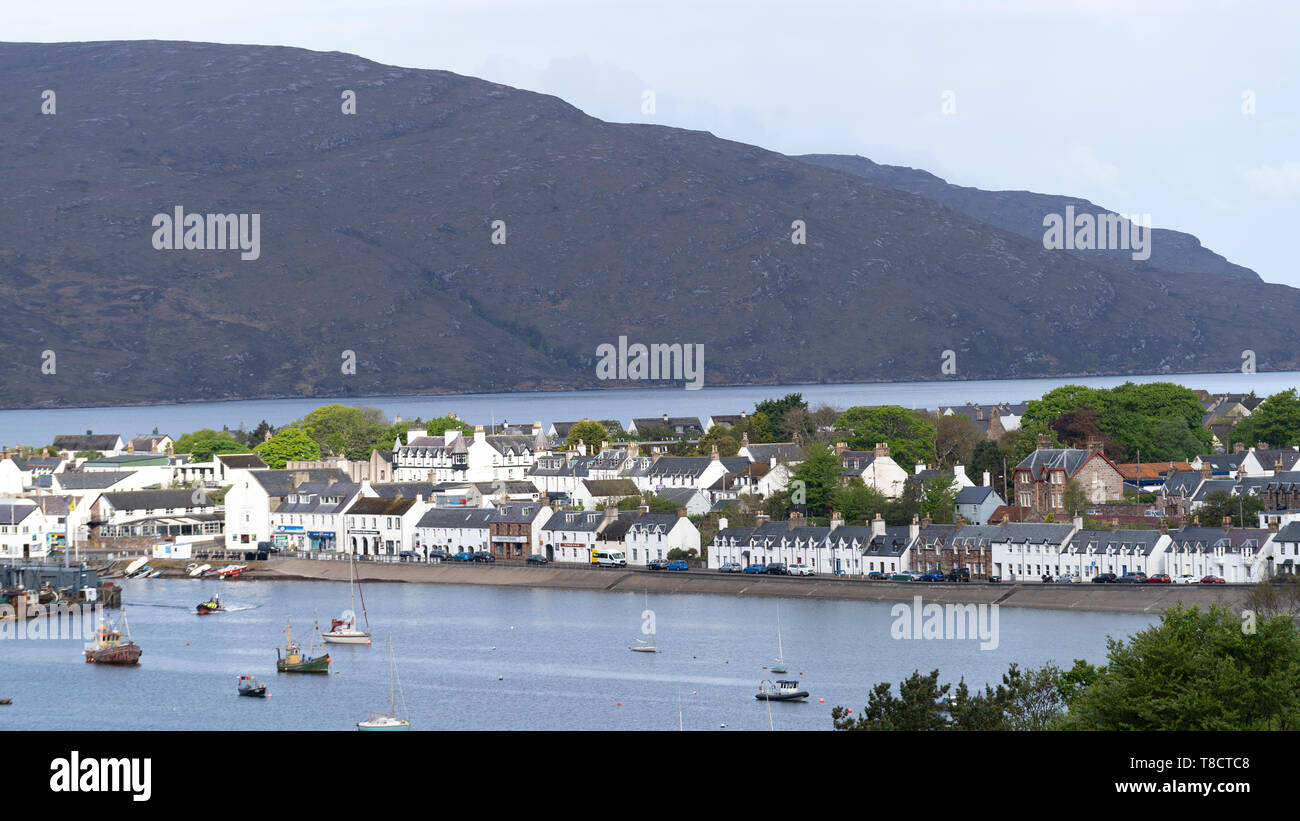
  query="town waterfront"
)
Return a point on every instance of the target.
[
  {"x": 489, "y": 658},
  {"x": 40, "y": 426}
]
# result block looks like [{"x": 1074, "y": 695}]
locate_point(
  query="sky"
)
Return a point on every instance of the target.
[{"x": 1186, "y": 111}]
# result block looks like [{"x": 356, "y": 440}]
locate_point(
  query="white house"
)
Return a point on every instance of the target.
[
  {"x": 570, "y": 535},
  {"x": 252, "y": 496},
  {"x": 23, "y": 530},
  {"x": 876, "y": 468},
  {"x": 311, "y": 515},
  {"x": 382, "y": 525},
  {"x": 653, "y": 535},
  {"x": 455, "y": 530}
]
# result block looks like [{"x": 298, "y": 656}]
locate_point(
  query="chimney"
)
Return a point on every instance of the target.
[
  {"x": 633, "y": 449},
  {"x": 1227, "y": 523},
  {"x": 913, "y": 530},
  {"x": 1277, "y": 465},
  {"x": 926, "y": 522},
  {"x": 882, "y": 449},
  {"x": 760, "y": 519},
  {"x": 795, "y": 520},
  {"x": 987, "y": 479},
  {"x": 299, "y": 476},
  {"x": 1205, "y": 470},
  {"x": 920, "y": 466},
  {"x": 722, "y": 523},
  {"x": 877, "y": 526},
  {"x": 1164, "y": 527},
  {"x": 837, "y": 519},
  {"x": 604, "y": 446},
  {"x": 1094, "y": 445},
  {"x": 1258, "y": 445},
  {"x": 665, "y": 418},
  {"x": 1238, "y": 447},
  {"x": 1272, "y": 524},
  {"x": 1114, "y": 525},
  {"x": 1196, "y": 521},
  {"x": 681, "y": 513},
  {"x": 1078, "y": 523},
  {"x": 611, "y": 513},
  {"x": 744, "y": 439},
  {"x": 714, "y": 454},
  {"x": 960, "y": 520},
  {"x": 479, "y": 434},
  {"x": 643, "y": 509},
  {"x": 840, "y": 447},
  {"x": 1044, "y": 441}
]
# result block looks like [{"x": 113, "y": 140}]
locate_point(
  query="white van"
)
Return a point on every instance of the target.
[{"x": 611, "y": 559}]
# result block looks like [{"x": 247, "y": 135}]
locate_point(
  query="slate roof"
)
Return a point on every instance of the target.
[
  {"x": 128, "y": 500},
  {"x": 1101, "y": 541},
  {"x": 518, "y": 512},
  {"x": 1040, "y": 461},
  {"x": 93, "y": 480},
  {"x": 380, "y": 506},
  {"x": 1289, "y": 533},
  {"x": 96, "y": 441},
  {"x": 1208, "y": 538},
  {"x": 312, "y": 498},
  {"x": 15, "y": 511},
  {"x": 476, "y": 518},
  {"x": 783, "y": 451},
  {"x": 586, "y": 521},
  {"x": 611, "y": 487},
  {"x": 412, "y": 489},
  {"x": 241, "y": 460},
  {"x": 974, "y": 495},
  {"x": 280, "y": 482}
]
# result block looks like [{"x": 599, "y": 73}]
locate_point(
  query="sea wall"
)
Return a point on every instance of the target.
[{"x": 1124, "y": 598}]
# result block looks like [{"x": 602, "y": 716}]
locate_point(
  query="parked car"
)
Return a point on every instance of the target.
[
  {"x": 1068, "y": 578},
  {"x": 1132, "y": 578},
  {"x": 932, "y": 576},
  {"x": 729, "y": 567},
  {"x": 678, "y": 564},
  {"x": 875, "y": 576},
  {"x": 536, "y": 558},
  {"x": 1152, "y": 514},
  {"x": 1186, "y": 578},
  {"x": 800, "y": 570},
  {"x": 439, "y": 555},
  {"x": 905, "y": 576},
  {"x": 463, "y": 556},
  {"x": 755, "y": 568},
  {"x": 1213, "y": 580},
  {"x": 408, "y": 555},
  {"x": 961, "y": 574},
  {"x": 777, "y": 569},
  {"x": 995, "y": 579},
  {"x": 1104, "y": 578},
  {"x": 1159, "y": 578},
  {"x": 613, "y": 558},
  {"x": 656, "y": 564},
  {"x": 484, "y": 556}
]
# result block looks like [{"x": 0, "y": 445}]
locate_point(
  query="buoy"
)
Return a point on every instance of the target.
[
  {"x": 850, "y": 709},
  {"x": 722, "y": 725},
  {"x": 821, "y": 701},
  {"x": 187, "y": 644},
  {"x": 501, "y": 678},
  {"x": 618, "y": 704}
]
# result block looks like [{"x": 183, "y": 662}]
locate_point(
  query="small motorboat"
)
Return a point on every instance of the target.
[
  {"x": 154, "y": 574},
  {"x": 135, "y": 565},
  {"x": 231, "y": 571},
  {"x": 212, "y": 605},
  {"x": 141, "y": 573},
  {"x": 198, "y": 570},
  {"x": 113, "y": 645},
  {"x": 643, "y": 647},
  {"x": 252, "y": 689},
  {"x": 783, "y": 690},
  {"x": 6, "y": 701}
]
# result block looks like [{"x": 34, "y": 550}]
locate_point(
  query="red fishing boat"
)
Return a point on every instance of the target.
[{"x": 113, "y": 645}]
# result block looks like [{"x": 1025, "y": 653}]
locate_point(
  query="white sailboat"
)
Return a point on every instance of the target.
[
  {"x": 389, "y": 720},
  {"x": 344, "y": 630},
  {"x": 643, "y": 646},
  {"x": 779, "y": 667}
]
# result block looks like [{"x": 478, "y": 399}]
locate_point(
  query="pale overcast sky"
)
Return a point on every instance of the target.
[{"x": 1135, "y": 105}]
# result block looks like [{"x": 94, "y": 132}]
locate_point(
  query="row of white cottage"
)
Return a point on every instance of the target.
[{"x": 1017, "y": 551}]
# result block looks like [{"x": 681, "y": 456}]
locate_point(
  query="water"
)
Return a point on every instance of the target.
[
  {"x": 482, "y": 658},
  {"x": 39, "y": 427}
]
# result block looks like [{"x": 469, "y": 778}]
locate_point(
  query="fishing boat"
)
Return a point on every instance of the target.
[
  {"x": 344, "y": 630},
  {"x": 198, "y": 570},
  {"x": 779, "y": 667},
  {"x": 113, "y": 645},
  {"x": 388, "y": 720},
  {"x": 212, "y": 605},
  {"x": 252, "y": 689},
  {"x": 780, "y": 691},
  {"x": 294, "y": 660}
]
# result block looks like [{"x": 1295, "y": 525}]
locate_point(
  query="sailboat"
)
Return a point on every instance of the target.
[
  {"x": 643, "y": 646},
  {"x": 779, "y": 667},
  {"x": 389, "y": 720},
  {"x": 295, "y": 660},
  {"x": 343, "y": 630}
]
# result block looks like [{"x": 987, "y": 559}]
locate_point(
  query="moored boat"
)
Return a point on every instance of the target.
[
  {"x": 252, "y": 689},
  {"x": 783, "y": 690},
  {"x": 113, "y": 645},
  {"x": 389, "y": 720},
  {"x": 344, "y": 630},
  {"x": 199, "y": 570},
  {"x": 294, "y": 660}
]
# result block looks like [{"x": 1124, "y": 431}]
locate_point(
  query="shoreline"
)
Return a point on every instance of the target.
[{"x": 1150, "y": 599}]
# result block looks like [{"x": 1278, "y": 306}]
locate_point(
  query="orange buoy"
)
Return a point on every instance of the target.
[
  {"x": 619, "y": 704},
  {"x": 821, "y": 701}
]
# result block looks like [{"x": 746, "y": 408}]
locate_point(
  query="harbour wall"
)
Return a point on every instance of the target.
[{"x": 1122, "y": 598}]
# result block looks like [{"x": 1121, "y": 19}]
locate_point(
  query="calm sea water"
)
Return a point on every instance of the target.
[
  {"x": 484, "y": 658},
  {"x": 41, "y": 426}
]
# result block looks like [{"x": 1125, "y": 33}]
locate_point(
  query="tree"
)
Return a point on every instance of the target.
[
  {"x": 858, "y": 502},
  {"x": 720, "y": 436},
  {"x": 1078, "y": 427},
  {"x": 441, "y": 424},
  {"x": 938, "y": 498},
  {"x": 1220, "y": 504},
  {"x": 1197, "y": 670},
  {"x": 590, "y": 433},
  {"x": 186, "y": 442},
  {"x": 347, "y": 431},
  {"x": 918, "y": 706},
  {"x": 88, "y": 454},
  {"x": 776, "y": 409},
  {"x": 202, "y": 450},
  {"x": 1073, "y": 497},
  {"x": 819, "y": 474},
  {"x": 955, "y": 439},
  {"x": 987, "y": 456},
  {"x": 909, "y": 434},
  {"x": 289, "y": 444},
  {"x": 1276, "y": 421}
]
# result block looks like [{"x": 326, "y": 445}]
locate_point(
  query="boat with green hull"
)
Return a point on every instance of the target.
[{"x": 291, "y": 659}]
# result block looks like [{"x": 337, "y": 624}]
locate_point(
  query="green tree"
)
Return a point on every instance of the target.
[
  {"x": 909, "y": 434},
  {"x": 1276, "y": 421},
  {"x": 816, "y": 480},
  {"x": 202, "y": 450},
  {"x": 776, "y": 409},
  {"x": 938, "y": 498},
  {"x": 1197, "y": 670},
  {"x": 955, "y": 439},
  {"x": 858, "y": 502},
  {"x": 987, "y": 456},
  {"x": 590, "y": 433},
  {"x": 720, "y": 436},
  {"x": 1073, "y": 497},
  {"x": 88, "y": 454},
  {"x": 289, "y": 444},
  {"x": 1219, "y": 504},
  {"x": 186, "y": 442},
  {"x": 347, "y": 431}
]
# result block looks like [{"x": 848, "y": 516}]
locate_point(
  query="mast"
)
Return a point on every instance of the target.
[
  {"x": 352, "y": 590},
  {"x": 392, "y": 691},
  {"x": 780, "y": 651}
]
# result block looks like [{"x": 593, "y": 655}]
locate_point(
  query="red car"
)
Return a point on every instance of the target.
[
  {"x": 1159, "y": 578},
  {"x": 1212, "y": 580}
]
